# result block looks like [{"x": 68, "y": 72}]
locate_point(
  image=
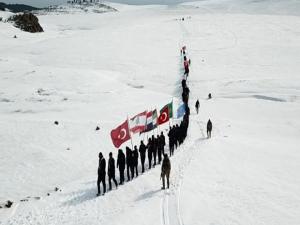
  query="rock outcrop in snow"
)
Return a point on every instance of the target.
[{"x": 26, "y": 22}]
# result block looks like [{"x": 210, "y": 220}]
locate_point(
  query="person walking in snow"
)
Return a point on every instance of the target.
[
  {"x": 186, "y": 66},
  {"x": 142, "y": 150},
  {"x": 165, "y": 171},
  {"x": 128, "y": 161},
  {"x": 162, "y": 142},
  {"x": 131, "y": 164},
  {"x": 171, "y": 141},
  {"x": 149, "y": 147},
  {"x": 209, "y": 128},
  {"x": 111, "y": 171},
  {"x": 101, "y": 174},
  {"x": 154, "y": 149},
  {"x": 121, "y": 161},
  {"x": 136, "y": 160},
  {"x": 159, "y": 150},
  {"x": 197, "y": 105}
]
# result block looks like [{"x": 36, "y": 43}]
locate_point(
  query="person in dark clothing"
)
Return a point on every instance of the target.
[
  {"x": 111, "y": 171},
  {"x": 159, "y": 148},
  {"x": 149, "y": 147},
  {"x": 183, "y": 83},
  {"x": 209, "y": 128},
  {"x": 101, "y": 174},
  {"x": 154, "y": 149},
  {"x": 197, "y": 105},
  {"x": 163, "y": 143},
  {"x": 171, "y": 141},
  {"x": 136, "y": 160},
  {"x": 121, "y": 165},
  {"x": 128, "y": 162},
  {"x": 165, "y": 170},
  {"x": 142, "y": 150},
  {"x": 187, "y": 110},
  {"x": 131, "y": 164},
  {"x": 175, "y": 136},
  {"x": 209, "y": 96}
]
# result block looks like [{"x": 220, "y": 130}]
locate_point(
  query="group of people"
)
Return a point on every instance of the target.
[
  {"x": 129, "y": 161},
  {"x": 154, "y": 150}
]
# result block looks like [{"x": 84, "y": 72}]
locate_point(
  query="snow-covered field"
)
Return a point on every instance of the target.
[{"x": 89, "y": 70}]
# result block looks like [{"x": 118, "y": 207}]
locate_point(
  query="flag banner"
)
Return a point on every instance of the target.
[
  {"x": 170, "y": 109},
  {"x": 154, "y": 118},
  {"x": 120, "y": 134},
  {"x": 181, "y": 110},
  {"x": 151, "y": 120},
  {"x": 137, "y": 124},
  {"x": 164, "y": 115}
]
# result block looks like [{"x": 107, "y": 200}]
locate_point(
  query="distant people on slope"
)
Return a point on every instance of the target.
[
  {"x": 209, "y": 128},
  {"x": 197, "y": 105}
]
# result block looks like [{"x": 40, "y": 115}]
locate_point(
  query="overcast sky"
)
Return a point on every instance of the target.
[{"x": 42, "y": 3}]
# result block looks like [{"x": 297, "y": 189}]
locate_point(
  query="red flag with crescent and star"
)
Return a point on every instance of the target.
[
  {"x": 164, "y": 115},
  {"x": 120, "y": 134}
]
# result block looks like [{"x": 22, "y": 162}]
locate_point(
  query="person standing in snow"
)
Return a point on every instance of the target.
[
  {"x": 162, "y": 142},
  {"x": 128, "y": 161},
  {"x": 154, "y": 149},
  {"x": 131, "y": 164},
  {"x": 149, "y": 147},
  {"x": 121, "y": 165},
  {"x": 171, "y": 140},
  {"x": 165, "y": 170},
  {"x": 101, "y": 174},
  {"x": 186, "y": 66},
  {"x": 197, "y": 105},
  {"x": 111, "y": 171},
  {"x": 159, "y": 149},
  {"x": 136, "y": 160},
  {"x": 209, "y": 128},
  {"x": 142, "y": 151}
]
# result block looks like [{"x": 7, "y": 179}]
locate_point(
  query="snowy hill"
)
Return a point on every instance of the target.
[
  {"x": 73, "y": 8},
  {"x": 95, "y": 69}
]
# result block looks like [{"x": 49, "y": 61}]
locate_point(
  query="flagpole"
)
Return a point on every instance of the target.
[{"x": 129, "y": 132}]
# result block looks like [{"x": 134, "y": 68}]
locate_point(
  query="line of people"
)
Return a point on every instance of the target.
[{"x": 154, "y": 150}]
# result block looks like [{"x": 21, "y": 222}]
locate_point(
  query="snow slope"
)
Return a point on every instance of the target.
[{"x": 89, "y": 70}]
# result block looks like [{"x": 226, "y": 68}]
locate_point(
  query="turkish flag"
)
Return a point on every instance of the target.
[
  {"x": 164, "y": 115},
  {"x": 120, "y": 134}
]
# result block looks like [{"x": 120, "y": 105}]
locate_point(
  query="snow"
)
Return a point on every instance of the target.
[{"x": 89, "y": 70}]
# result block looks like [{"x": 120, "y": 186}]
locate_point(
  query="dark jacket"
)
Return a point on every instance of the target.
[
  {"x": 209, "y": 125},
  {"x": 121, "y": 161},
  {"x": 128, "y": 156},
  {"x": 166, "y": 166},
  {"x": 150, "y": 149},
  {"x": 142, "y": 151},
  {"x": 111, "y": 167},
  {"x": 102, "y": 167},
  {"x": 135, "y": 156}
]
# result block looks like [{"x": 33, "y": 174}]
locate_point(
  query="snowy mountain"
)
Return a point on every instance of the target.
[
  {"x": 91, "y": 70},
  {"x": 72, "y": 8}
]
